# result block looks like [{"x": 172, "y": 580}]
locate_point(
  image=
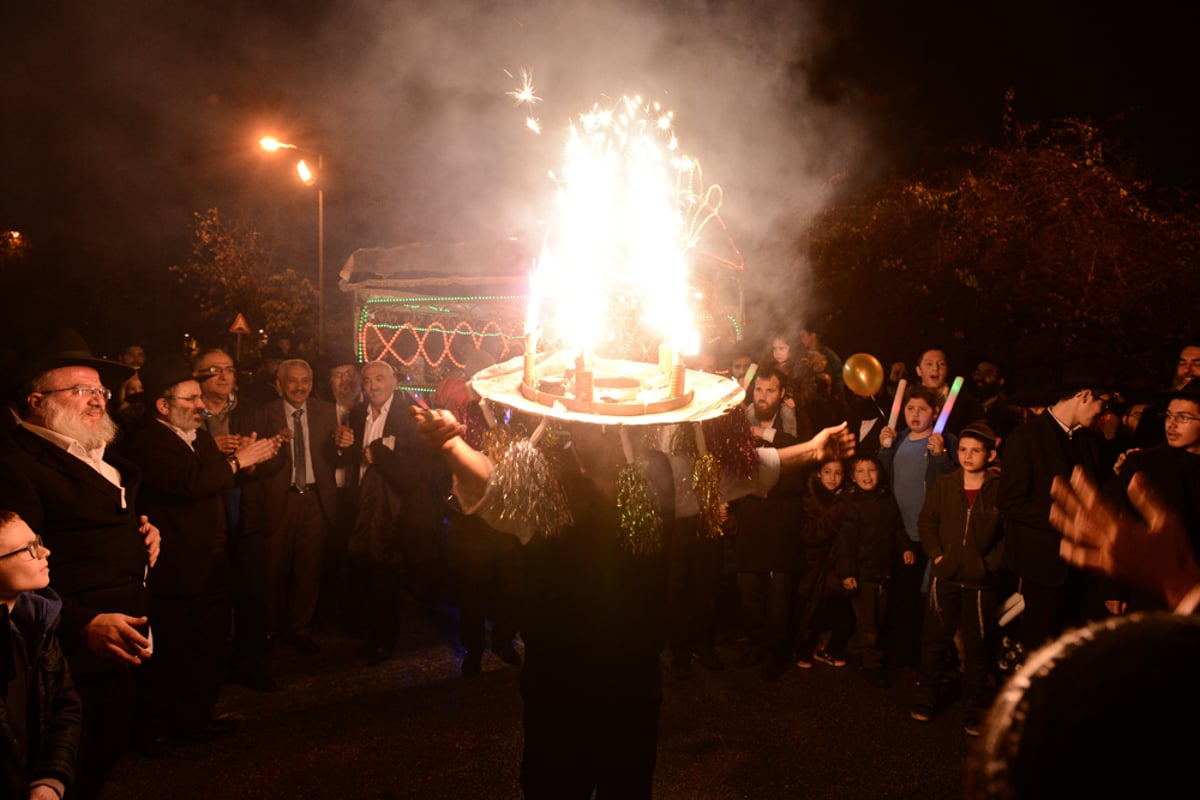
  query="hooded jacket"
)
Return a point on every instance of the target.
[{"x": 969, "y": 540}]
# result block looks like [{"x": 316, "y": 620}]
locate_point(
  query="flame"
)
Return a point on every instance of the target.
[
  {"x": 627, "y": 212},
  {"x": 524, "y": 94}
]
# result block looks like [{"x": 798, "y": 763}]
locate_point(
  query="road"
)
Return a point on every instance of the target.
[{"x": 414, "y": 728}]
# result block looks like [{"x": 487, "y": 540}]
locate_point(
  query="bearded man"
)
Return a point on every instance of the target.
[
  {"x": 56, "y": 474},
  {"x": 185, "y": 489}
]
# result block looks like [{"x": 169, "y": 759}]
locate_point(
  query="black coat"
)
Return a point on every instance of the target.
[
  {"x": 768, "y": 528},
  {"x": 411, "y": 506},
  {"x": 184, "y": 494},
  {"x": 1034, "y": 454},
  {"x": 99, "y": 556},
  {"x": 871, "y": 535}
]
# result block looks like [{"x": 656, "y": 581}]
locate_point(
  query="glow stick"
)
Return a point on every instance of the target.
[
  {"x": 750, "y": 373},
  {"x": 897, "y": 402},
  {"x": 955, "y": 388}
]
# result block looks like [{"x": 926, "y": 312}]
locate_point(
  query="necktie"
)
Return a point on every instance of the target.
[{"x": 299, "y": 451}]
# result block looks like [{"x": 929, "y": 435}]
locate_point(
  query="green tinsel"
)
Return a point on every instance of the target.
[
  {"x": 641, "y": 522},
  {"x": 706, "y": 483},
  {"x": 530, "y": 492}
]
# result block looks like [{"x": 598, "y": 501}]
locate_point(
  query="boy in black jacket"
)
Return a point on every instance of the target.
[
  {"x": 40, "y": 712},
  {"x": 961, "y": 533}
]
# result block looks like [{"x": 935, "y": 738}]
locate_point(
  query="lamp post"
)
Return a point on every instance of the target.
[{"x": 309, "y": 178}]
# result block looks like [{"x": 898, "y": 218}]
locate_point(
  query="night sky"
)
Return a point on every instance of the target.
[{"x": 121, "y": 120}]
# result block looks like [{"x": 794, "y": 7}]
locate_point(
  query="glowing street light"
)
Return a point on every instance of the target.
[{"x": 310, "y": 178}]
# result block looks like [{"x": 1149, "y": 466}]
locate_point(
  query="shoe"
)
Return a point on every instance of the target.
[
  {"x": 804, "y": 662},
  {"x": 877, "y": 678},
  {"x": 825, "y": 657},
  {"x": 472, "y": 664},
  {"x": 215, "y": 728},
  {"x": 709, "y": 659},
  {"x": 921, "y": 712},
  {"x": 681, "y": 667},
  {"x": 772, "y": 669},
  {"x": 508, "y": 654},
  {"x": 972, "y": 723},
  {"x": 257, "y": 680},
  {"x": 304, "y": 644},
  {"x": 749, "y": 657}
]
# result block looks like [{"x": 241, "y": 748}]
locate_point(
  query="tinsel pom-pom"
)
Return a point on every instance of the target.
[
  {"x": 496, "y": 442},
  {"x": 706, "y": 483},
  {"x": 683, "y": 441},
  {"x": 530, "y": 492},
  {"x": 640, "y": 520},
  {"x": 477, "y": 426},
  {"x": 729, "y": 438}
]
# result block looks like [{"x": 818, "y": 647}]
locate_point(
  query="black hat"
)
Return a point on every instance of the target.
[
  {"x": 160, "y": 374},
  {"x": 65, "y": 348},
  {"x": 982, "y": 431}
]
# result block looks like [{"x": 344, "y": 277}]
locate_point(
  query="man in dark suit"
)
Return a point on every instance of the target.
[
  {"x": 185, "y": 490},
  {"x": 399, "y": 487},
  {"x": 1057, "y": 595},
  {"x": 56, "y": 474},
  {"x": 292, "y": 501}
]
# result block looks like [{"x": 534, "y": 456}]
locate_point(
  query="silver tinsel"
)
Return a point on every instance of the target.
[{"x": 530, "y": 491}]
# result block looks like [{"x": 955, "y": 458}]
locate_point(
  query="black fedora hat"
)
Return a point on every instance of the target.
[
  {"x": 161, "y": 374},
  {"x": 1086, "y": 372},
  {"x": 65, "y": 347}
]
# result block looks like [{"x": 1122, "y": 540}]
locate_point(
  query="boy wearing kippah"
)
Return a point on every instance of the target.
[{"x": 962, "y": 535}]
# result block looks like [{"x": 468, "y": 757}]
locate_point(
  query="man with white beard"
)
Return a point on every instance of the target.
[{"x": 55, "y": 473}]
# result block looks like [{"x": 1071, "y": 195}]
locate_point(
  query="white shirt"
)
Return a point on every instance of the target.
[
  {"x": 93, "y": 458},
  {"x": 373, "y": 430}
]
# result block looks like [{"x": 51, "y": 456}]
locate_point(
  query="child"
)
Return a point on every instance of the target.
[
  {"x": 40, "y": 715},
  {"x": 819, "y": 591},
  {"x": 962, "y": 536},
  {"x": 871, "y": 534},
  {"x": 913, "y": 460}
]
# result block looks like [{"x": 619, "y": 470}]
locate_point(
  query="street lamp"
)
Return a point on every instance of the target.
[{"x": 309, "y": 178}]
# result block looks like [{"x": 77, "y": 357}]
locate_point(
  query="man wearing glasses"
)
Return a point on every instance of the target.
[
  {"x": 1057, "y": 596},
  {"x": 1171, "y": 470},
  {"x": 56, "y": 473},
  {"x": 185, "y": 482}
]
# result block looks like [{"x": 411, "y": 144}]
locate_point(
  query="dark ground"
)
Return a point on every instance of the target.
[{"x": 414, "y": 728}]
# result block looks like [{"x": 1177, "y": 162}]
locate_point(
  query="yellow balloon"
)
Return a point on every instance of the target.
[{"x": 863, "y": 374}]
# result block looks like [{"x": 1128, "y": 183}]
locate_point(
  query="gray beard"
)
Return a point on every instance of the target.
[{"x": 66, "y": 422}]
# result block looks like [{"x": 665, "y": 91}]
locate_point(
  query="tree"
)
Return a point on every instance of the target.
[
  {"x": 231, "y": 271},
  {"x": 1045, "y": 246}
]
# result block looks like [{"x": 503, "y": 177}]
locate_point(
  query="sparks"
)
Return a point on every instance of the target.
[{"x": 525, "y": 93}]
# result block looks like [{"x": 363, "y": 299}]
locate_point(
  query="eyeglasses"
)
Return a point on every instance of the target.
[
  {"x": 83, "y": 391},
  {"x": 35, "y": 549},
  {"x": 209, "y": 371},
  {"x": 191, "y": 398},
  {"x": 1182, "y": 419}
]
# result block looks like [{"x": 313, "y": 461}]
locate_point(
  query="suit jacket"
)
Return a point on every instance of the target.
[
  {"x": 1033, "y": 455},
  {"x": 184, "y": 494},
  {"x": 99, "y": 557},
  {"x": 413, "y": 473},
  {"x": 266, "y": 488}
]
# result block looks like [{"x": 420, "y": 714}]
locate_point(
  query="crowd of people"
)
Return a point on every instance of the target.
[{"x": 200, "y": 515}]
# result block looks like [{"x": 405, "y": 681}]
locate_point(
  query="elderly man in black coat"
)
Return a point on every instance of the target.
[
  {"x": 56, "y": 474},
  {"x": 185, "y": 486}
]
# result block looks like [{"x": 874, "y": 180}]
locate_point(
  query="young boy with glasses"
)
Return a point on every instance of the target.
[{"x": 40, "y": 713}]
